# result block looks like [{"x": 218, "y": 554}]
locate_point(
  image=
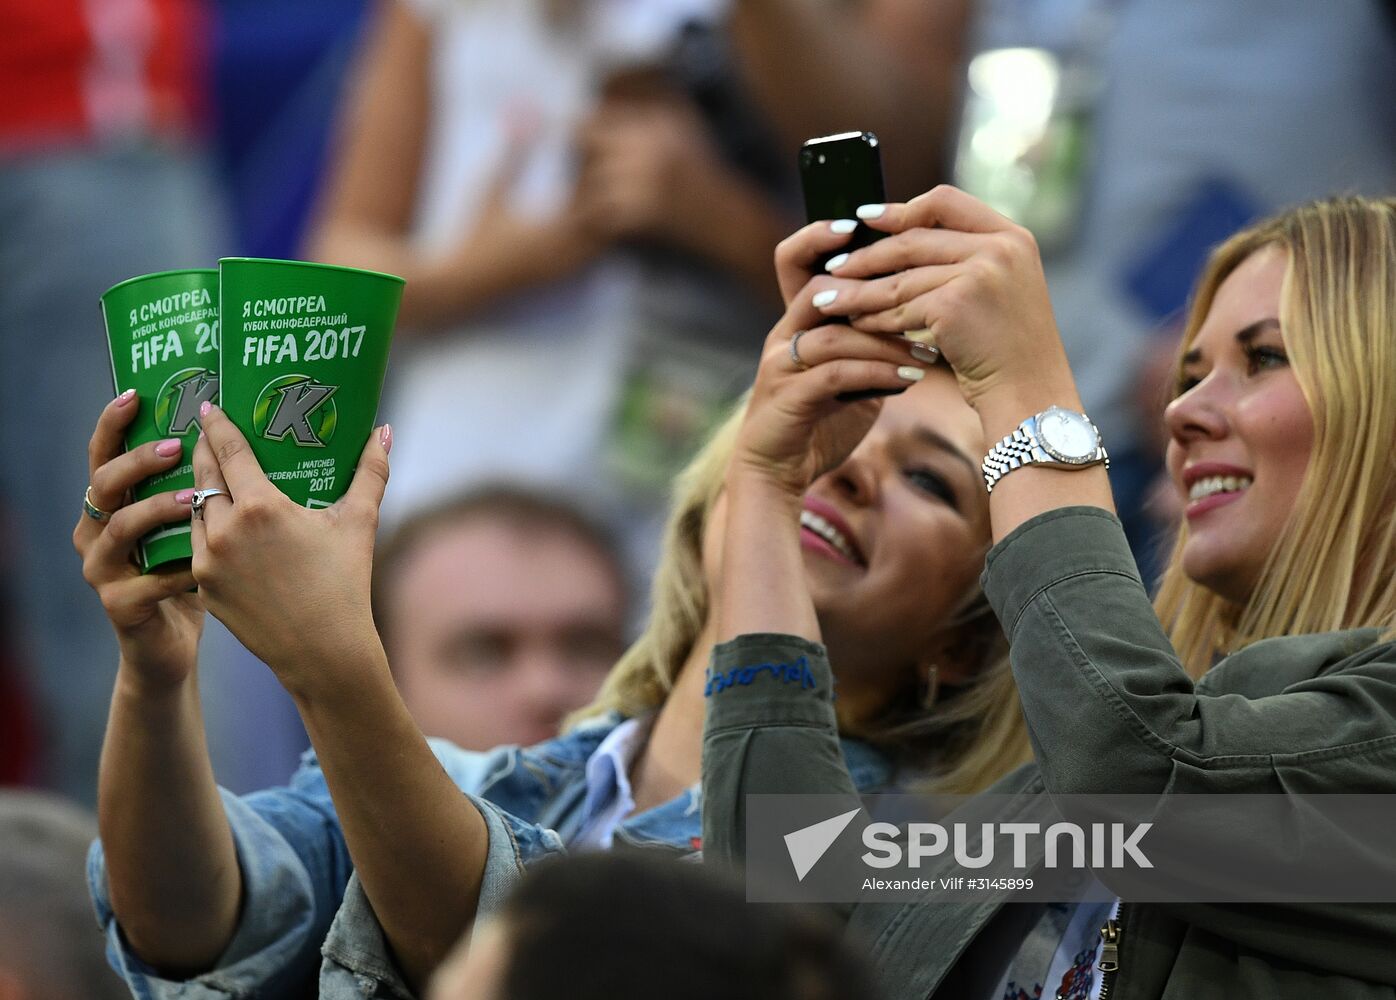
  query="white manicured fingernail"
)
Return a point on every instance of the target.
[
  {"x": 910, "y": 373},
  {"x": 825, "y": 298},
  {"x": 836, "y": 262},
  {"x": 923, "y": 353},
  {"x": 870, "y": 211},
  {"x": 843, "y": 226}
]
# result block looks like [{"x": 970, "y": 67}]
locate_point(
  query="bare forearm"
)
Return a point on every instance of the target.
[
  {"x": 441, "y": 289},
  {"x": 418, "y": 844},
  {"x": 762, "y": 586},
  {"x": 797, "y": 59},
  {"x": 816, "y": 69},
  {"x": 743, "y": 238},
  {"x": 171, "y": 864}
]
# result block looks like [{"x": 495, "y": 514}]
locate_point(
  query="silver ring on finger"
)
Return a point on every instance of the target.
[
  {"x": 795, "y": 359},
  {"x": 922, "y": 349},
  {"x": 92, "y": 510},
  {"x": 196, "y": 505}
]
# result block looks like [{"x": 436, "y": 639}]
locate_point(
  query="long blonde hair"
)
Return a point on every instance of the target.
[
  {"x": 1333, "y": 566},
  {"x": 643, "y": 677},
  {"x": 968, "y": 739}
]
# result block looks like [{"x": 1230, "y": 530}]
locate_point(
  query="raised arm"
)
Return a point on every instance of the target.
[
  {"x": 888, "y": 66},
  {"x": 366, "y": 214},
  {"x": 651, "y": 171},
  {"x": 172, "y": 871},
  {"x": 795, "y": 429},
  {"x": 418, "y": 844}
]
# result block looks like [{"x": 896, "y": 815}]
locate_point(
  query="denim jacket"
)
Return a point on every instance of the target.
[{"x": 304, "y": 914}]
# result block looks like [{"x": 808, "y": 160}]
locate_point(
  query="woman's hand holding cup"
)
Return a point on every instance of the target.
[
  {"x": 157, "y": 618},
  {"x": 293, "y": 584}
]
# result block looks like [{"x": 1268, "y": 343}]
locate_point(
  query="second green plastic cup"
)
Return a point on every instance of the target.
[
  {"x": 305, "y": 349},
  {"x": 162, "y": 330}
]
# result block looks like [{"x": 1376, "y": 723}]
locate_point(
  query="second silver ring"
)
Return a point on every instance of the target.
[{"x": 796, "y": 360}]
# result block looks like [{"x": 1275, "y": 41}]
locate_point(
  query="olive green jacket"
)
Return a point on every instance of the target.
[{"x": 1109, "y": 710}]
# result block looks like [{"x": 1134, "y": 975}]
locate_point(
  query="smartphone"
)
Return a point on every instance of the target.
[{"x": 837, "y": 174}]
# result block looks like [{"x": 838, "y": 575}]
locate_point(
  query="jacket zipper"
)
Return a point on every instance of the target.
[{"x": 1109, "y": 964}]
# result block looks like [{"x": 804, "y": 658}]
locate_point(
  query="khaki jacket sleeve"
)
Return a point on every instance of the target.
[
  {"x": 770, "y": 730},
  {"x": 1110, "y": 709}
]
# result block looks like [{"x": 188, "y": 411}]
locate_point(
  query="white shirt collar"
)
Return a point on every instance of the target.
[{"x": 609, "y": 798}]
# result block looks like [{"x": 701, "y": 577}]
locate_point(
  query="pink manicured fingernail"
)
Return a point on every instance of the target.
[
  {"x": 184, "y": 496},
  {"x": 168, "y": 447},
  {"x": 126, "y": 397},
  {"x": 385, "y": 437},
  {"x": 204, "y": 408}
]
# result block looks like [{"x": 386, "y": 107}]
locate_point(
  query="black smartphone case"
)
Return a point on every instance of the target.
[{"x": 837, "y": 174}]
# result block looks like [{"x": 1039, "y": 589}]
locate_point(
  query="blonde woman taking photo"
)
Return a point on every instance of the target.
[
  {"x": 226, "y": 896},
  {"x": 1274, "y": 671}
]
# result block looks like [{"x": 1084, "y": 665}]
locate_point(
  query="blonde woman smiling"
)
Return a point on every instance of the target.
[{"x": 1274, "y": 671}]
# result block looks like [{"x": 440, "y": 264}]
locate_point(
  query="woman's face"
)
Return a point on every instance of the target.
[
  {"x": 1240, "y": 431},
  {"x": 894, "y": 538}
]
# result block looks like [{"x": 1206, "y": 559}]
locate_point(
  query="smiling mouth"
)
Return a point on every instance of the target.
[
  {"x": 833, "y": 536},
  {"x": 1213, "y": 485}
]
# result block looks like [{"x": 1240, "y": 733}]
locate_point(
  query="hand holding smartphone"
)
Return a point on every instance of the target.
[{"x": 837, "y": 174}]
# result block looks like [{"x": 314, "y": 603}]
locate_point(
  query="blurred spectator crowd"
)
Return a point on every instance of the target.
[{"x": 584, "y": 197}]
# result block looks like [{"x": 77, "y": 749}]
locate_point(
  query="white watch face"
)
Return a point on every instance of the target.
[{"x": 1067, "y": 435}]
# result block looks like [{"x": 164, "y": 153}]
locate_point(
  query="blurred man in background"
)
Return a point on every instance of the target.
[{"x": 501, "y": 611}]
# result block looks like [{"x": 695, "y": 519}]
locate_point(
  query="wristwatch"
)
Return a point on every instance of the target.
[{"x": 1057, "y": 438}]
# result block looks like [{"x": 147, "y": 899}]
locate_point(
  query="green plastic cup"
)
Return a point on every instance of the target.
[
  {"x": 162, "y": 331},
  {"x": 305, "y": 348}
]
